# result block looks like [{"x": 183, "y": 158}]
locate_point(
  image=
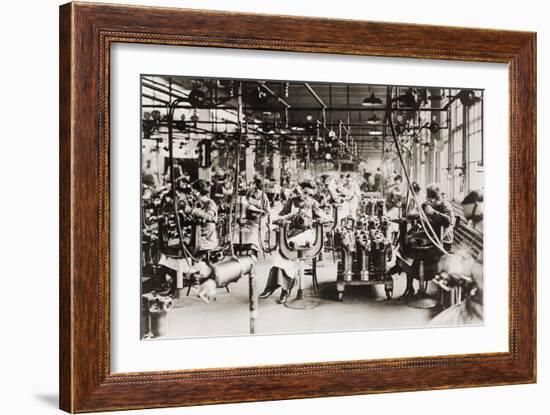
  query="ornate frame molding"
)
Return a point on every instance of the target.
[{"x": 86, "y": 33}]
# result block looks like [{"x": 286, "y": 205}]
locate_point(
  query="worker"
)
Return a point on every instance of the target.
[
  {"x": 352, "y": 195},
  {"x": 473, "y": 209},
  {"x": 417, "y": 199},
  {"x": 205, "y": 212},
  {"x": 378, "y": 180},
  {"x": 440, "y": 214},
  {"x": 469, "y": 311},
  {"x": 394, "y": 205},
  {"x": 217, "y": 186},
  {"x": 299, "y": 212},
  {"x": 255, "y": 207}
]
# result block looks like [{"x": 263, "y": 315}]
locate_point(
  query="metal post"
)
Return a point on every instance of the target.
[
  {"x": 421, "y": 299},
  {"x": 252, "y": 299},
  {"x": 300, "y": 293},
  {"x": 421, "y": 287}
]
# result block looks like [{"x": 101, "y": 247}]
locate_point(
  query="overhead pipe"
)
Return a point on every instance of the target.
[
  {"x": 179, "y": 91},
  {"x": 164, "y": 91},
  {"x": 163, "y": 101},
  {"x": 274, "y": 94},
  {"x": 314, "y": 94},
  {"x": 170, "y": 117}
]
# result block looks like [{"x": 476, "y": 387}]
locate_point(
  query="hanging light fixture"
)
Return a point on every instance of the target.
[
  {"x": 371, "y": 100},
  {"x": 196, "y": 98},
  {"x": 468, "y": 97},
  {"x": 373, "y": 119}
]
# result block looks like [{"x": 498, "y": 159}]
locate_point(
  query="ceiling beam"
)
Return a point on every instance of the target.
[
  {"x": 314, "y": 94},
  {"x": 273, "y": 94}
]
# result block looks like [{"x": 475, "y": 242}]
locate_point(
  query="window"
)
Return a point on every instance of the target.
[
  {"x": 474, "y": 167},
  {"x": 443, "y": 172},
  {"x": 457, "y": 151}
]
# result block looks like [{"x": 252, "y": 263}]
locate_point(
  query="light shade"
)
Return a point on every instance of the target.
[
  {"x": 371, "y": 100},
  {"x": 373, "y": 119}
]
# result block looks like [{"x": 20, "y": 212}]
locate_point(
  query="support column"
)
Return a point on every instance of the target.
[
  {"x": 250, "y": 158},
  {"x": 292, "y": 163},
  {"x": 277, "y": 166},
  {"x": 252, "y": 300}
]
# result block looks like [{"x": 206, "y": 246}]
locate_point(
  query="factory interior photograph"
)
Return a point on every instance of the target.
[{"x": 284, "y": 206}]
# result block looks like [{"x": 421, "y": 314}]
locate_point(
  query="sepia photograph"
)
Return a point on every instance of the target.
[{"x": 289, "y": 206}]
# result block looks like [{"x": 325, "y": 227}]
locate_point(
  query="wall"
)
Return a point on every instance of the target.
[{"x": 30, "y": 205}]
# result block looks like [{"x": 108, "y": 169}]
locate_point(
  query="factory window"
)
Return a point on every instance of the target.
[
  {"x": 444, "y": 165},
  {"x": 457, "y": 152},
  {"x": 475, "y": 147}
]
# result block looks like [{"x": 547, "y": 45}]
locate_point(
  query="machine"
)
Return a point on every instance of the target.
[{"x": 364, "y": 249}]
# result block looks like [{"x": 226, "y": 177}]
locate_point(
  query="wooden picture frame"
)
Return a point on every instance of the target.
[{"x": 86, "y": 33}]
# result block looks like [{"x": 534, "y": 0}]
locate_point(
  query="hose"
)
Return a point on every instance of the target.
[
  {"x": 185, "y": 251},
  {"x": 434, "y": 239}
]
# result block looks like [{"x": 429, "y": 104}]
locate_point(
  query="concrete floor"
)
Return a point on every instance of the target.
[{"x": 363, "y": 308}]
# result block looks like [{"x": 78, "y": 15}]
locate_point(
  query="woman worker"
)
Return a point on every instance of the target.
[
  {"x": 352, "y": 194},
  {"x": 299, "y": 211},
  {"x": 328, "y": 196},
  {"x": 205, "y": 212},
  {"x": 415, "y": 200},
  {"x": 254, "y": 207},
  {"x": 394, "y": 204}
]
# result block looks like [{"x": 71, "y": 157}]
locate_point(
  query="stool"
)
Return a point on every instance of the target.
[{"x": 313, "y": 272}]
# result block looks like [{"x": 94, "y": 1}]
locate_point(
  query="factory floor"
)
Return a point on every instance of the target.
[{"x": 363, "y": 308}]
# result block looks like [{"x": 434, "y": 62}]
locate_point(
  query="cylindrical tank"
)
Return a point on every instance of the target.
[{"x": 230, "y": 270}]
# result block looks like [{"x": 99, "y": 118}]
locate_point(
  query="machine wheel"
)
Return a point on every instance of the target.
[{"x": 340, "y": 296}]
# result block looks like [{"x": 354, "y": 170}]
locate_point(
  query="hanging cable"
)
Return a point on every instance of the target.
[
  {"x": 262, "y": 199},
  {"x": 157, "y": 157},
  {"x": 423, "y": 218},
  {"x": 231, "y": 230},
  {"x": 187, "y": 255},
  {"x": 424, "y": 221}
]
